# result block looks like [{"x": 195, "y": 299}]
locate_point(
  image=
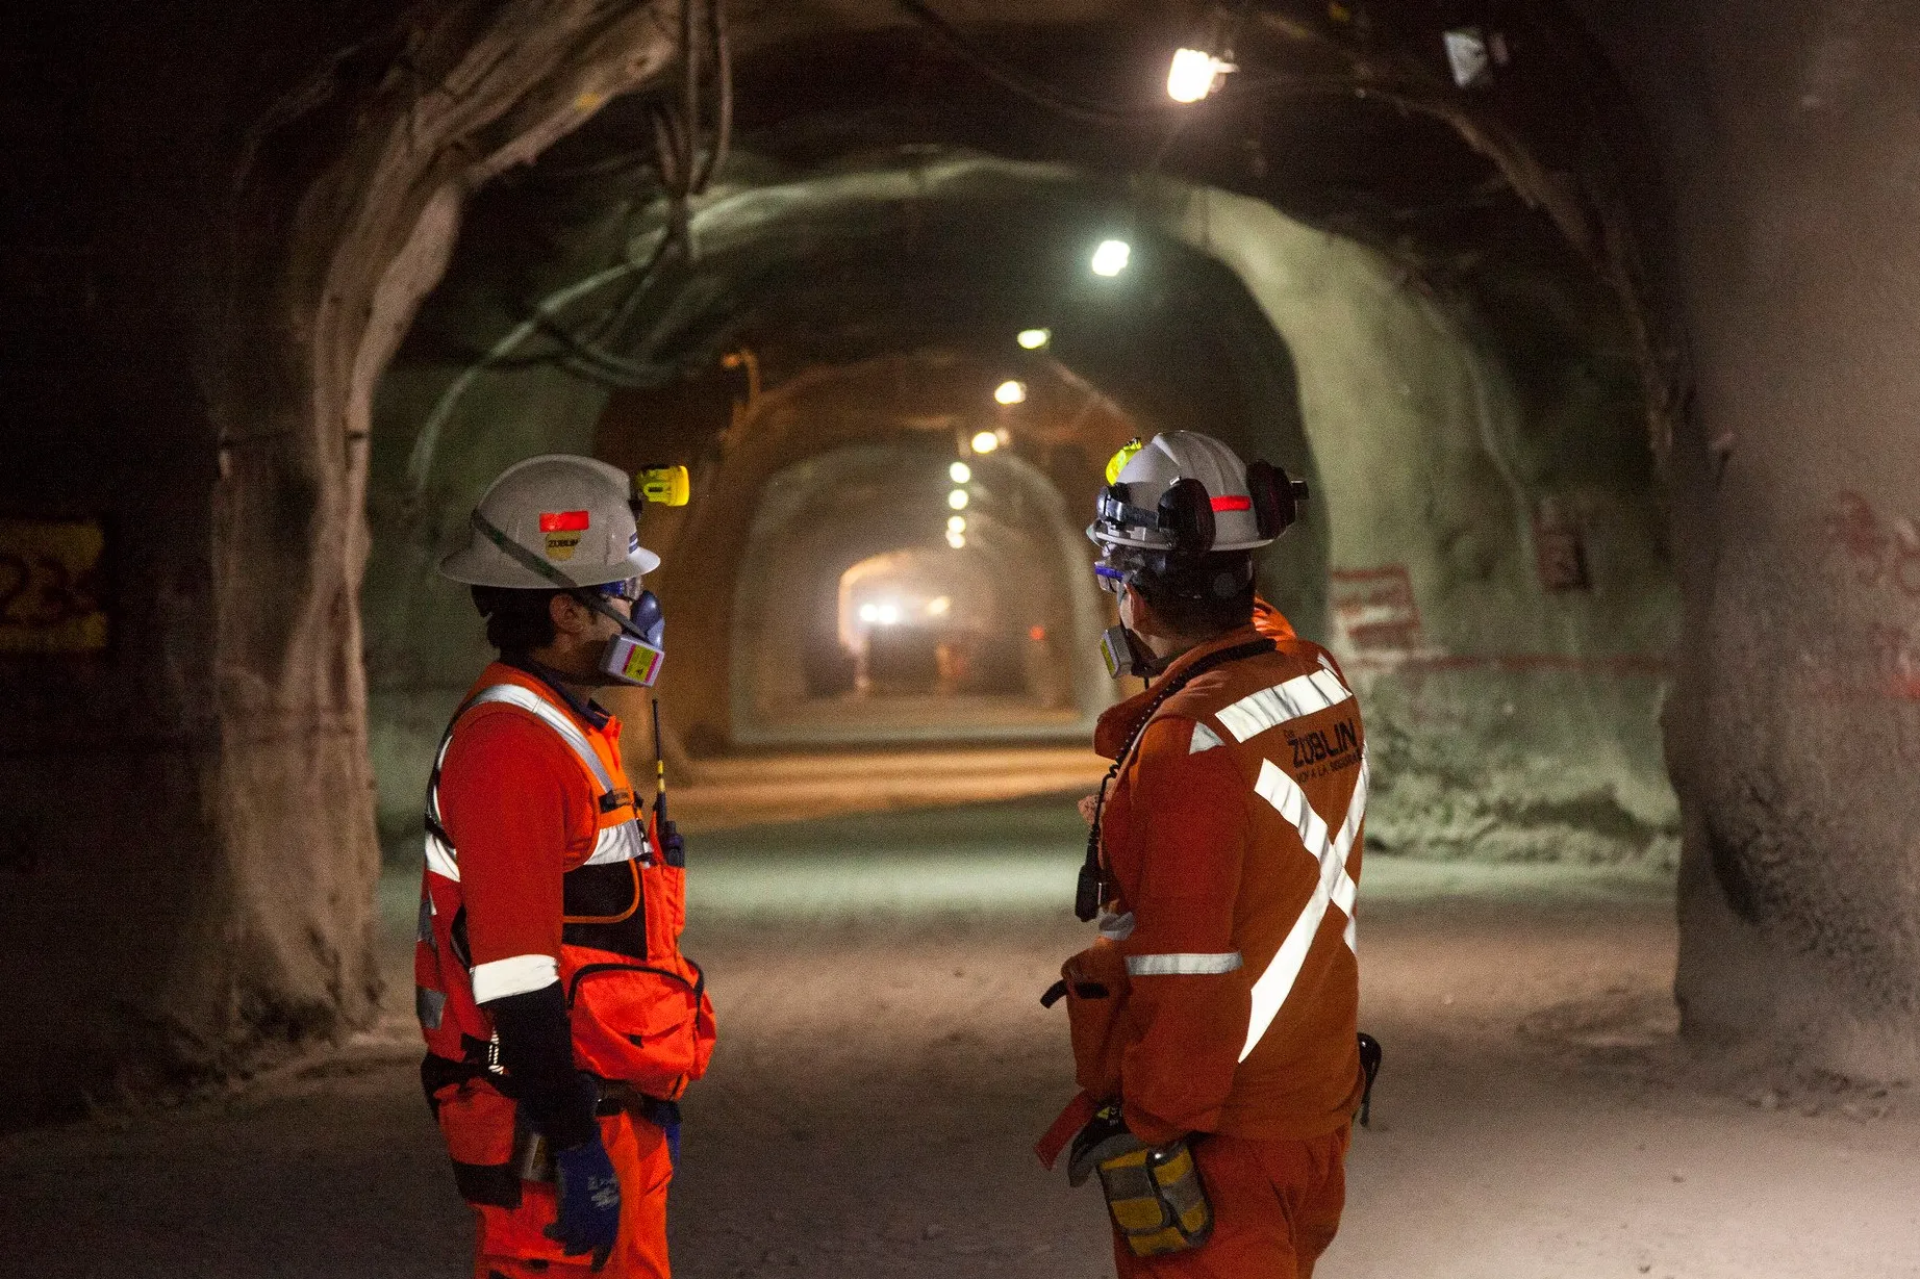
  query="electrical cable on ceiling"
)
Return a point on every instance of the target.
[
  {"x": 1038, "y": 92},
  {"x": 684, "y": 172}
]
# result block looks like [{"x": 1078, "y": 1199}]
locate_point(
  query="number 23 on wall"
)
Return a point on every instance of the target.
[{"x": 50, "y": 586}]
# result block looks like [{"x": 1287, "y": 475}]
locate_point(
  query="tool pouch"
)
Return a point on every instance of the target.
[
  {"x": 478, "y": 1122},
  {"x": 1156, "y": 1200}
]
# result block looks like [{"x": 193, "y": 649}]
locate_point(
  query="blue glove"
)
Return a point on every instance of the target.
[{"x": 589, "y": 1195}]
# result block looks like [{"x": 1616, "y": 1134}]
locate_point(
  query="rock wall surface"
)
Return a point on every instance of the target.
[{"x": 1789, "y": 135}]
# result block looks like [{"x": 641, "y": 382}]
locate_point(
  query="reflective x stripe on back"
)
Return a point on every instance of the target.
[
  {"x": 1302, "y": 695},
  {"x": 1333, "y": 885}
]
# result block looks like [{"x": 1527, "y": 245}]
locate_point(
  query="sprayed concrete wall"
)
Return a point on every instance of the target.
[
  {"x": 1789, "y": 134},
  {"x": 208, "y": 247},
  {"x": 1509, "y": 719}
]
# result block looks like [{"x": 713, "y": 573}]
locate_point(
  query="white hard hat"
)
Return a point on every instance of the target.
[
  {"x": 570, "y": 513},
  {"x": 1188, "y": 492}
]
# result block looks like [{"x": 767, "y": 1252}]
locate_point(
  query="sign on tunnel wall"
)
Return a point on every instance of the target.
[{"x": 50, "y": 586}]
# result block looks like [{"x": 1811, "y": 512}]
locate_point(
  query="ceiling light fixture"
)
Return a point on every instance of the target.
[
  {"x": 959, "y": 472},
  {"x": 956, "y": 524},
  {"x": 1010, "y": 392},
  {"x": 1111, "y": 258},
  {"x": 958, "y": 499},
  {"x": 985, "y": 442},
  {"x": 1194, "y": 73},
  {"x": 1034, "y": 339},
  {"x": 958, "y": 541}
]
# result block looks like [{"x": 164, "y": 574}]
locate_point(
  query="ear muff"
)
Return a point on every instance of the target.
[
  {"x": 1276, "y": 497},
  {"x": 1186, "y": 515}
]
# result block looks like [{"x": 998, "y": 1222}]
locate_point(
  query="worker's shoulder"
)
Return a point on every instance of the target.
[
  {"x": 499, "y": 734},
  {"x": 1212, "y": 691}
]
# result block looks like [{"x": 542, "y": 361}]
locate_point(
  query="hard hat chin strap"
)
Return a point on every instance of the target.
[{"x": 631, "y": 657}]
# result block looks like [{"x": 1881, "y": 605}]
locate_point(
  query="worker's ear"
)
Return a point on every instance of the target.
[{"x": 570, "y": 616}]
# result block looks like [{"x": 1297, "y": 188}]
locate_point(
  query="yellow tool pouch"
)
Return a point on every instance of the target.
[{"x": 1156, "y": 1199}]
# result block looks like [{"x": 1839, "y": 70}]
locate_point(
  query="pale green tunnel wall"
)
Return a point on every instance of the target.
[{"x": 1506, "y": 720}]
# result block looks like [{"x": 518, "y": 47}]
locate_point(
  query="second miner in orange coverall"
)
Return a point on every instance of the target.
[{"x": 1232, "y": 844}]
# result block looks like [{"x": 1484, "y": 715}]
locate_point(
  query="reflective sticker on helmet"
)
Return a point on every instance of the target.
[
  {"x": 1118, "y": 462},
  {"x": 563, "y": 521},
  {"x": 1233, "y": 504}
]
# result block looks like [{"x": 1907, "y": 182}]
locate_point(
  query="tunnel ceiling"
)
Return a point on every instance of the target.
[{"x": 884, "y": 193}]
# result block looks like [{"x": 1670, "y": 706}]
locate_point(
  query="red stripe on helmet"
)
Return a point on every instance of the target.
[
  {"x": 1233, "y": 504},
  {"x": 562, "y": 521}
]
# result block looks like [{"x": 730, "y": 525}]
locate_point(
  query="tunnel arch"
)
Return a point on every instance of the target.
[
  {"x": 1059, "y": 594},
  {"x": 352, "y": 171},
  {"x": 1561, "y": 201}
]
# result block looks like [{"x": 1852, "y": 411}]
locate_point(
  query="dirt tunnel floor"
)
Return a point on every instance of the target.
[{"x": 884, "y": 1066}]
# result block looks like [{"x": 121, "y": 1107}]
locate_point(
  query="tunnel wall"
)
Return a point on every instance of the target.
[
  {"x": 1506, "y": 720},
  {"x": 1788, "y": 134},
  {"x": 228, "y": 215}
]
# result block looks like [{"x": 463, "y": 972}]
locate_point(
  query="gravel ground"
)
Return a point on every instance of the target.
[{"x": 884, "y": 1066}]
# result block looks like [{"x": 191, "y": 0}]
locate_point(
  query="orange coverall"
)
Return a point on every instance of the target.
[
  {"x": 523, "y": 814},
  {"x": 1232, "y": 842}
]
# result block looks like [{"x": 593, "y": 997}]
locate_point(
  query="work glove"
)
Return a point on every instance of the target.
[
  {"x": 589, "y": 1201},
  {"x": 1105, "y": 1137}
]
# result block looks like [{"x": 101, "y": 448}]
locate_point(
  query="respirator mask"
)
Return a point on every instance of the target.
[
  {"x": 1120, "y": 648},
  {"x": 634, "y": 655}
]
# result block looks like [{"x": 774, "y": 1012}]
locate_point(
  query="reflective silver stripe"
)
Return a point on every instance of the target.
[
  {"x": 1116, "y": 927},
  {"x": 440, "y": 858},
  {"x": 1302, "y": 695},
  {"x": 1204, "y": 739},
  {"x": 555, "y": 718},
  {"x": 626, "y": 842},
  {"x": 1183, "y": 965},
  {"x": 1333, "y": 886},
  {"x": 516, "y": 976}
]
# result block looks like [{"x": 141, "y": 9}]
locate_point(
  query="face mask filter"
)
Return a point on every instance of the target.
[{"x": 635, "y": 655}]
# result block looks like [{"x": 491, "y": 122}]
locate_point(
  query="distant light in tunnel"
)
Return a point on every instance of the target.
[
  {"x": 958, "y": 499},
  {"x": 958, "y": 541},
  {"x": 956, "y": 524},
  {"x": 1010, "y": 392},
  {"x": 1033, "y": 339},
  {"x": 1111, "y": 257},
  {"x": 1193, "y": 74},
  {"x": 941, "y": 605},
  {"x": 985, "y": 442},
  {"x": 959, "y": 472},
  {"x": 880, "y": 614}
]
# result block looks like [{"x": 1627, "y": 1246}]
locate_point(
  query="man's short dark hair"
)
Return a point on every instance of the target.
[
  {"x": 518, "y": 621},
  {"x": 1199, "y": 595}
]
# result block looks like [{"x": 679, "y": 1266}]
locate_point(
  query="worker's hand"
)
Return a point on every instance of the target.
[
  {"x": 589, "y": 1201},
  {"x": 1087, "y": 803}
]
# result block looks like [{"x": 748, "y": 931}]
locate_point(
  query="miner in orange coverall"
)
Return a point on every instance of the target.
[
  {"x": 1213, "y": 1021},
  {"x": 562, "y": 1022}
]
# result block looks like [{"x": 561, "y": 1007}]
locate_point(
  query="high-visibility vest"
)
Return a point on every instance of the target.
[{"x": 638, "y": 1008}]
